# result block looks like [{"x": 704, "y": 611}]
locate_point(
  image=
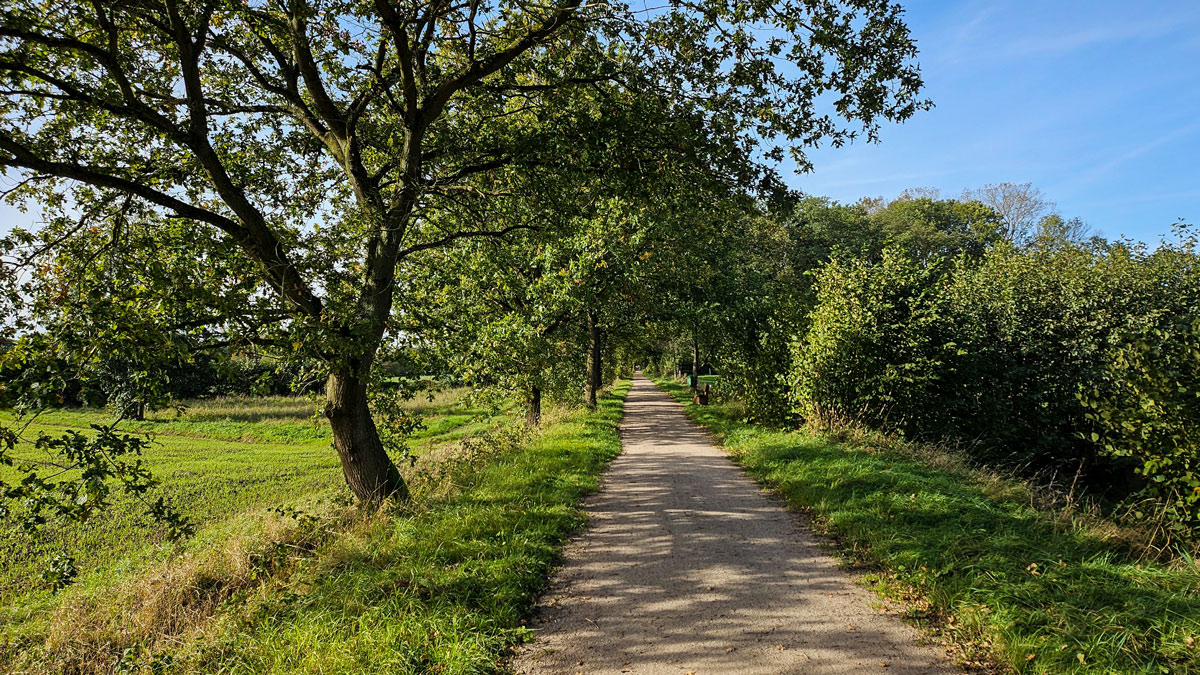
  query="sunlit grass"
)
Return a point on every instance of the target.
[
  {"x": 220, "y": 457},
  {"x": 445, "y": 589},
  {"x": 971, "y": 556},
  {"x": 440, "y": 585}
]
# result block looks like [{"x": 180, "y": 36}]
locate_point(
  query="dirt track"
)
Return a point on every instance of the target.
[{"x": 688, "y": 566}]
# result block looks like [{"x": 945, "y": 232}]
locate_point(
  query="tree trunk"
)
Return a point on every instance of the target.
[
  {"x": 133, "y": 410},
  {"x": 695, "y": 364},
  {"x": 594, "y": 371},
  {"x": 369, "y": 471},
  {"x": 533, "y": 416}
]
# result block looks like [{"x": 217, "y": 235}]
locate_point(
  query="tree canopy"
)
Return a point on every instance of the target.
[{"x": 314, "y": 146}]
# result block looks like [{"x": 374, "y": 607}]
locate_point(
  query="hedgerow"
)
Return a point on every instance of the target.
[{"x": 1054, "y": 358}]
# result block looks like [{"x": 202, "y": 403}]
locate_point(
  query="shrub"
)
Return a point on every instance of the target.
[
  {"x": 869, "y": 354},
  {"x": 1152, "y": 415},
  {"x": 994, "y": 352}
]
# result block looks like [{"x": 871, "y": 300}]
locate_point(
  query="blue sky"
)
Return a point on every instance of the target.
[{"x": 1095, "y": 103}]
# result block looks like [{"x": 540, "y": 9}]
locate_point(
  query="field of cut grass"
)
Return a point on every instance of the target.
[
  {"x": 437, "y": 585},
  {"x": 221, "y": 457},
  {"x": 970, "y": 555}
]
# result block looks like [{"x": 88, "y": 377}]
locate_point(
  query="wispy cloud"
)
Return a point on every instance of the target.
[
  {"x": 1144, "y": 199},
  {"x": 1136, "y": 152},
  {"x": 1095, "y": 35},
  {"x": 1012, "y": 31},
  {"x": 960, "y": 37}
]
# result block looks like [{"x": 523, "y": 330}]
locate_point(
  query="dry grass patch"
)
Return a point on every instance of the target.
[{"x": 137, "y": 618}]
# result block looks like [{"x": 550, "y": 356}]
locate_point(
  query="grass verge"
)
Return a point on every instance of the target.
[
  {"x": 971, "y": 556},
  {"x": 222, "y": 459},
  {"x": 439, "y": 585}
]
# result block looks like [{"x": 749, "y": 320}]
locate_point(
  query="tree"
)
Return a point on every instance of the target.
[
  {"x": 926, "y": 228},
  {"x": 317, "y": 140},
  {"x": 1055, "y": 230},
  {"x": 541, "y": 312},
  {"x": 1021, "y": 207}
]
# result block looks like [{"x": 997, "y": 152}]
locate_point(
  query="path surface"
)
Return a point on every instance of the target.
[{"x": 688, "y": 566}]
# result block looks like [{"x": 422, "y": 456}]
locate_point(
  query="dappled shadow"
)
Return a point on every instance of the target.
[{"x": 687, "y": 565}]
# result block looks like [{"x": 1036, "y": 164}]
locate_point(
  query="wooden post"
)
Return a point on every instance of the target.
[{"x": 695, "y": 363}]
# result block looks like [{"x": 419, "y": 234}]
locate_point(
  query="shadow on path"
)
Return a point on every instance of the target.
[{"x": 688, "y": 566}]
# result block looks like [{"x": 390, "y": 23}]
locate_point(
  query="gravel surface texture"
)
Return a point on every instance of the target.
[{"x": 688, "y": 566}]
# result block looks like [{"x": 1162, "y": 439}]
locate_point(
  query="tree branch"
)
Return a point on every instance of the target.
[
  {"x": 481, "y": 68},
  {"x": 22, "y": 157},
  {"x": 438, "y": 243}
]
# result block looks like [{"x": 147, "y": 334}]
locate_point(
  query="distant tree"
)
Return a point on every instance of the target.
[
  {"x": 872, "y": 205},
  {"x": 820, "y": 226},
  {"x": 925, "y": 228},
  {"x": 1054, "y": 229},
  {"x": 930, "y": 193},
  {"x": 1021, "y": 207}
]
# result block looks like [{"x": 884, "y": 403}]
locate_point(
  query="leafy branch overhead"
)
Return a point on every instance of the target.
[
  {"x": 80, "y": 483},
  {"x": 318, "y": 145}
]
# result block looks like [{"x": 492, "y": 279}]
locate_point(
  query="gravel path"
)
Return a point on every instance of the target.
[{"x": 688, "y": 567}]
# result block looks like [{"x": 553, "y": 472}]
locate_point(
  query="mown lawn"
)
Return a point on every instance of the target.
[
  {"x": 438, "y": 585},
  {"x": 973, "y": 559}
]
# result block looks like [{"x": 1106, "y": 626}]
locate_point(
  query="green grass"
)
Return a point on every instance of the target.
[
  {"x": 445, "y": 588},
  {"x": 220, "y": 458},
  {"x": 440, "y": 585},
  {"x": 972, "y": 559}
]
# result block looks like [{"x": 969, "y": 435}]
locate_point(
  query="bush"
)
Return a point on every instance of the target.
[
  {"x": 1152, "y": 415},
  {"x": 993, "y": 352},
  {"x": 869, "y": 354}
]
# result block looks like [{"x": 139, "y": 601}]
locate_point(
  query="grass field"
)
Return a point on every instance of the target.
[
  {"x": 970, "y": 556},
  {"x": 220, "y": 458},
  {"x": 439, "y": 585}
]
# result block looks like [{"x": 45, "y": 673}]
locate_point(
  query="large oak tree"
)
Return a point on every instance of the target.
[{"x": 318, "y": 139}]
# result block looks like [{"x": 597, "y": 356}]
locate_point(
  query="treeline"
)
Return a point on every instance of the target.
[
  {"x": 1030, "y": 345},
  {"x": 131, "y": 387}
]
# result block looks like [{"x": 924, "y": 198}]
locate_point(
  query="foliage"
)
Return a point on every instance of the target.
[
  {"x": 993, "y": 352},
  {"x": 764, "y": 292},
  {"x": 869, "y": 352},
  {"x": 591, "y": 248},
  {"x": 96, "y": 457},
  {"x": 732, "y": 305},
  {"x": 968, "y": 556},
  {"x": 1151, "y": 413},
  {"x": 925, "y": 228}
]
